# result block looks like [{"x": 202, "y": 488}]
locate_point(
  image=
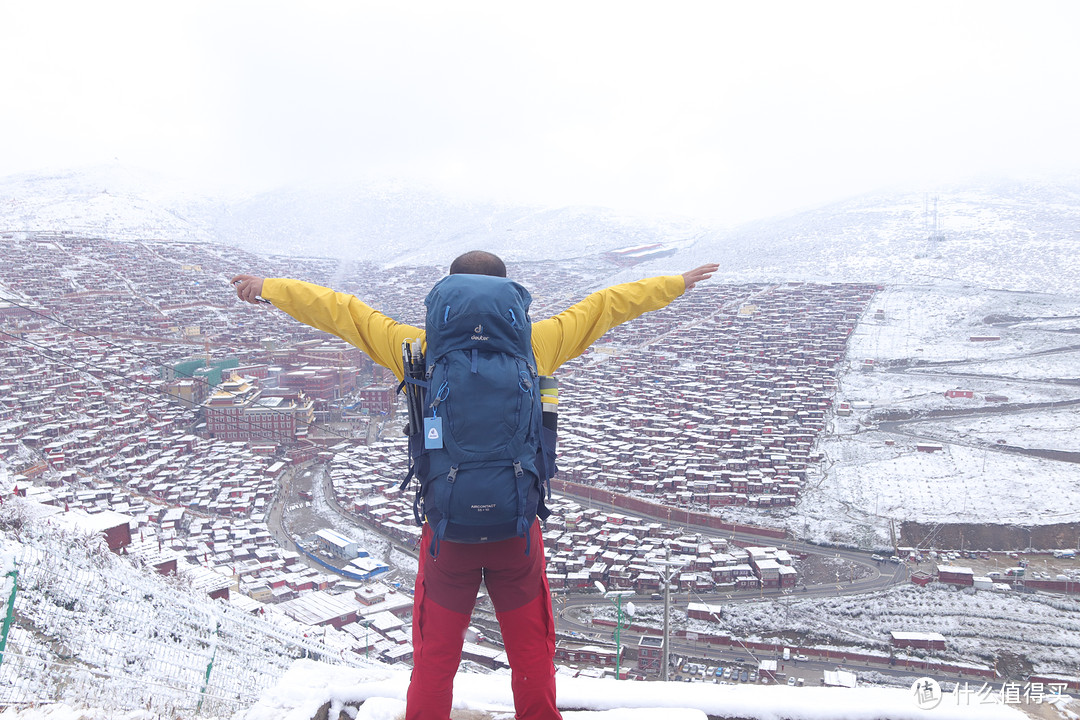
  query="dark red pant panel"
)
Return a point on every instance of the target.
[
  {"x": 529, "y": 635},
  {"x": 511, "y": 577}
]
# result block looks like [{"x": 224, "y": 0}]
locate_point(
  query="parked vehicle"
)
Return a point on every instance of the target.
[{"x": 791, "y": 680}]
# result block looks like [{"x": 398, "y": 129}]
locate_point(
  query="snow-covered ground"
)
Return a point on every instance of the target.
[
  {"x": 873, "y": 482},
  {"x": 318, "y": 513},
  {"x": 308, "y": 686},
  {"x": 934, "y": 323},
  {"x": 377, "y": 693},
  {"x": 919, "y": 338},
  {"x": 1010, "y": 236},
  {"x": 1053, "y": 428}
]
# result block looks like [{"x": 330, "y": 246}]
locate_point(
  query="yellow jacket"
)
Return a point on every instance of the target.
[{"x": 554, "y": 340}]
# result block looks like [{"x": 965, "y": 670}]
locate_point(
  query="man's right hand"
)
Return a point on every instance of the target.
[
  {"x": 248, "y": 288},
  {"x": 693, "y": 277}
]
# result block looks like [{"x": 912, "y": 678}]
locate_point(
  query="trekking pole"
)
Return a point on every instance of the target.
[
  {"x": 406, "y": 386},
  {"x": 413, "y": 361}
]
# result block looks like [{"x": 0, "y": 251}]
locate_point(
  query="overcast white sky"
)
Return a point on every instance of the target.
[{"x": 722, "y": 110}]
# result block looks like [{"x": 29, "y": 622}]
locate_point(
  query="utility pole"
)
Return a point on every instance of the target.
[
  {"x": 667, "y": 569},
  {"x": 665, "y": 662}
]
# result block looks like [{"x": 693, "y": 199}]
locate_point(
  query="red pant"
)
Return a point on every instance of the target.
[{"x": 446, "y": 590}]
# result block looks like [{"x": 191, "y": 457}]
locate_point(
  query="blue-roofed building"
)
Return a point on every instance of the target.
[{"x": 338, "y": 545}]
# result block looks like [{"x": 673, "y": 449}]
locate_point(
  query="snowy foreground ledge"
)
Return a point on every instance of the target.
[
  {"x": 379, "y": 692},
  {"x": 309, "y": 685}
]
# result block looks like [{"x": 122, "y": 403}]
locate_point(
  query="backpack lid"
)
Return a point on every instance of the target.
[{"x": 478, "y": 311}]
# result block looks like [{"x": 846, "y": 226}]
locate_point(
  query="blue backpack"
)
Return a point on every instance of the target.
[{"x": 480, "y": 453}]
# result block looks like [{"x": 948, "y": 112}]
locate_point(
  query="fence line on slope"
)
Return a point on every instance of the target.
[{"x": 85, "y": 631}]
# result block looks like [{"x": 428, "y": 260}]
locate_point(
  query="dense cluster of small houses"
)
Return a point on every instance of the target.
[
  {"x": 584, "y": 545},
  {"x": 101, "y": 425},
  {"x": 731, "y": 409},
  {"x": 730, "y": 386},
  {"x": 731, "y": 404}
]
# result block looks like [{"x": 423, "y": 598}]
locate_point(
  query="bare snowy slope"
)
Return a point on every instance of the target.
[
  {"x": 1001, "y": 235},
  {"x": 111, "y": 201},
  {"x": 395, "y": 225}
]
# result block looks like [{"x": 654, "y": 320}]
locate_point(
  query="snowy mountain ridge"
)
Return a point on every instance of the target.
[
  {"x": 385, "y": 223},
  {"x": 1005, "y": 235},
  {"x": 1001, "y": 234}
]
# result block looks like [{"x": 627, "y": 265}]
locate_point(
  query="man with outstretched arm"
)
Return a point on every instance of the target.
[{"x": 516, "y": 581}]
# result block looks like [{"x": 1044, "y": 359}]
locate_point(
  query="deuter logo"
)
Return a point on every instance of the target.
[
  {"x": 479, "y": 329},
  {"x": 478, "y": 334}
]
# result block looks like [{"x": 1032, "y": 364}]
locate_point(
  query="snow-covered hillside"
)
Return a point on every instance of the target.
[
  {"x": 89, "y": 626},
  {"x": 387, "y": 223},
  {"x": 111, "y": 201},
  {"x": 1016, "y": 397},
  {"x": 1001, "y": 235},
  {"x": 399, "y": 226},
  {"x": 1012, "y": 235}
]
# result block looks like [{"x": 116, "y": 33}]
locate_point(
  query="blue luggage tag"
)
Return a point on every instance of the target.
[{"x": 433, "y": 433}]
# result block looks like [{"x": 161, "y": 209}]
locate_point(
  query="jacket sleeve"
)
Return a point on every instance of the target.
[
  {"x": 571, "y": 332},
  {"x": 345, "y": 316}
]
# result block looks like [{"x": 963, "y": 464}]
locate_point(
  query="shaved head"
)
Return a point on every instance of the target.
[{"x": 478, "y": 262}]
